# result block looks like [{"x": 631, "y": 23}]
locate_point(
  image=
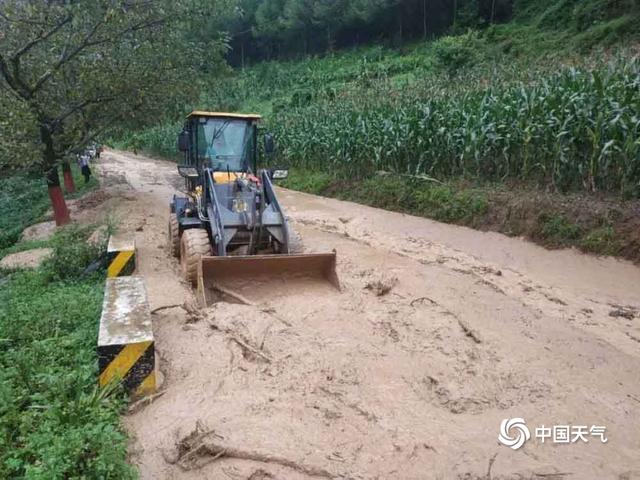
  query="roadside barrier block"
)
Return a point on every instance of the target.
[
  {"x": 125, "y": 342},
  {"x": 121, "y": 256}
]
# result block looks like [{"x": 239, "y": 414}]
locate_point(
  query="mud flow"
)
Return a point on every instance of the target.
[
  {"x": 261, "y": 277},
  {"x": 437, "y": 334}
]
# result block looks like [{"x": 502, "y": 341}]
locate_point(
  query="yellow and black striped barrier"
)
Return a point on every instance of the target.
[
  {"x": 121, "y": 256},
  {"x": 125, "y": 343}
]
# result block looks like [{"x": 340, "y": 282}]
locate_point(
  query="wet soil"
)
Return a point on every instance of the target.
[{"x": 438, "y": 334}]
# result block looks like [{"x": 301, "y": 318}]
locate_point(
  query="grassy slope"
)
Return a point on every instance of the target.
[
  {"x": 54, "y": 421},
  {"x": 595, "y": 225},
  {"x": 329, "y": 112},
  {"x": 543, "y": 35},
  {"x": 30, "y": 193}
]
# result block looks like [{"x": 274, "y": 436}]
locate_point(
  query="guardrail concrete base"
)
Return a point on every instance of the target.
[
  {"x": 121, "y": 256},
  {"x": 125, "y": 342}
]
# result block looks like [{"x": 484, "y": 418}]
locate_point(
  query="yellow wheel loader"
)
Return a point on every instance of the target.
[{"x": 229, "y": 230}]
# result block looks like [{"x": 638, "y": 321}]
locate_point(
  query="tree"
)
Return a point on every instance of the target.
[
  {"x": 74, "y": 70},
  {"x": 331, "y": 16},
  {"x": 493, "y": 11},
  {"x": 297, "y": 21},
  {"x": 270, "y": 24}
]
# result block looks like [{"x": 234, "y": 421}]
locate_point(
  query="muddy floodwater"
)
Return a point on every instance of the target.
[{"x": 438, "y": 334}]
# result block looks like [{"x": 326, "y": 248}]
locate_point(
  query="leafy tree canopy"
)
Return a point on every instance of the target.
[{"x": 70, "y": 71}]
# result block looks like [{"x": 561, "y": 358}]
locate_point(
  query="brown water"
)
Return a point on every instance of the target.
[{"x": 473, "y": 328}]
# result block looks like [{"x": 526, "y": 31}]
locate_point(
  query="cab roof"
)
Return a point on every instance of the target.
[{"x": 245, "y": 116}]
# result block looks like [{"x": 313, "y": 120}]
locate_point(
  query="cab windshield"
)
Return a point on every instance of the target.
[{"x": 225, "y": 144}]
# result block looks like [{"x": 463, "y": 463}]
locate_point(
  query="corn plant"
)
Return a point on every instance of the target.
[{"x": 577, "y": 129}]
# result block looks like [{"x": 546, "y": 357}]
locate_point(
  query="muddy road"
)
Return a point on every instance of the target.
[{"x": 439, "y": 333}]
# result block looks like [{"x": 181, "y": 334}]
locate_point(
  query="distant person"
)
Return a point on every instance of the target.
[{"x": 83, "y": 163}]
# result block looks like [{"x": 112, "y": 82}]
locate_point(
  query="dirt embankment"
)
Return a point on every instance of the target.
[
  {"x": 439, "y": 333},
  {"x": 598, "y": 224}
]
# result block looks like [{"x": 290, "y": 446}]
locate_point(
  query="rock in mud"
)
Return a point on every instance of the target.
[
  {"x": 39, "y": 231},
  {"x": 27, "y": 259},
  {"x": 381, "y": 286},
  {"x": 627, "y": 314}
]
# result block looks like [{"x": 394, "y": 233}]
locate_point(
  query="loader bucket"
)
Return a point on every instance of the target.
[{"x": 246, "y": 279}]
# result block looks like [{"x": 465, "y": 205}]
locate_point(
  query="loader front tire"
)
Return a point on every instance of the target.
[
  {"x": 193, "y": 245},
  {"x": 174, "y": 235},
  {"x": 295, "y": 241}
]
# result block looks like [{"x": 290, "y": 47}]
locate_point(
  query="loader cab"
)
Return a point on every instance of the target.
[{"x": 223, "y": 142}]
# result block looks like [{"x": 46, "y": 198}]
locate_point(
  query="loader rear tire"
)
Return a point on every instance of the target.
[
  {"x": 193, "y": 245},
  {"x": 174, "y": 235}
]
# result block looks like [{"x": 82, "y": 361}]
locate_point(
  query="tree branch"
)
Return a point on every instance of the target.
[
  {"x": 29, "y": 45},
  {"x": 86, "y": 43},
  {"x": 91, "y": 134},
  {"x": 17, "y": 86},
  {"x": 20, "y": 20},
  {"x": 64, "y": 58},
  {"x": 81, "y": 106}
]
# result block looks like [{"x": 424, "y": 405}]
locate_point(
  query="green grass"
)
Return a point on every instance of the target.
[
  {"x": 558, "y": 230},
  {"x": 30, "y": 194},
  {"x": 24, "y": 200},
  {"x": 55, "y": 423},
  {"x": 21, "y": 246},
  {"x": 308, "y": 181},
  {"x": 445, "y": 203},
  {"x": 549, "y": 220},
  {"x": 602, "y": 241}
]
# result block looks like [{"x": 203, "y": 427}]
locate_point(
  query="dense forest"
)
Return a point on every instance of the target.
[
  {"x": 275, "y": 28},
  {"x": 266, "y": 29}
]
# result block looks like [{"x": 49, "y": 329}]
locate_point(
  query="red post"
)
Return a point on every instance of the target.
[
  {"x": 69, "y": 185},
  {"x": 60, "y": 210}
]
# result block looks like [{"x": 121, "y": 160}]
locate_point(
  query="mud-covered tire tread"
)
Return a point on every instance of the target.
[
  {"x": 193, "y": 245},
  {"x": 174, "y": 235}
]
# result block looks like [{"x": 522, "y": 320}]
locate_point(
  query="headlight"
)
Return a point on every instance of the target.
[{"x": 280, "y": 174}]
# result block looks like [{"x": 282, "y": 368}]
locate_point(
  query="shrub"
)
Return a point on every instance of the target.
[
  {"x": 454, "y": 53},
  {"x": 71, "y": 252},
  {"x": 54, "y": 421},
  {"x": 557, "y": 230},
  {"x": 602, "y": 241}
]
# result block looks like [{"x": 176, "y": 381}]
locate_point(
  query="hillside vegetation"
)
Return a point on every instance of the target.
[
  {"x": 25, "y": 189},
  {"x": 548, "y": 102},
  {"x": 55, "y": 422}
]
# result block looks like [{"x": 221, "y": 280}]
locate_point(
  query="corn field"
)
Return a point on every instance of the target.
[
  {"x": 578, "y": 129},
  {"x": 497, "y": 118},
  {"x": 158, "y": 140}
]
